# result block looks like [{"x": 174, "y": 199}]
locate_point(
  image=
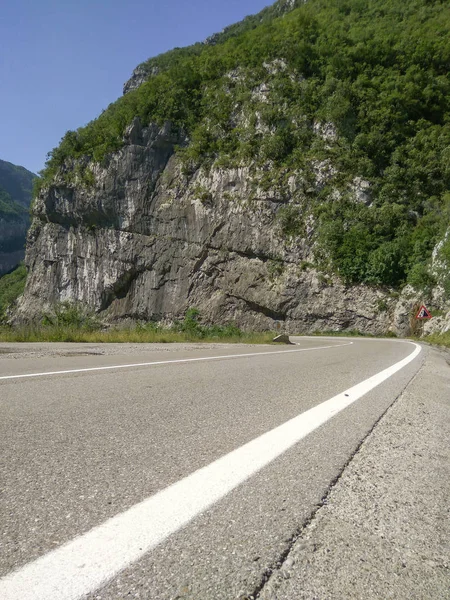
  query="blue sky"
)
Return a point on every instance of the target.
[{"x": 63, "y": 61}]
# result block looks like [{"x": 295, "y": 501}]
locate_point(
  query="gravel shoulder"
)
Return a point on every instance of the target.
[
  {"x": 384, "y": 529},
  {"x": 19, "y": 350}
]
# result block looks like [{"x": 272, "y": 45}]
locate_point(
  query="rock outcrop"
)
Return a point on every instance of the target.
[
  {"x": 148, "y": 241},
  {"x": 139, "y": 76}
]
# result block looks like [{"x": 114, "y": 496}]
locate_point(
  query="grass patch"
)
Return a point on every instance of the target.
[
  {"x": 137, "y": 335},
  {"x": 70, "y": 322},
  {"x": 438, "y": 339},
  {"x": 346, "y": 333},
  {"x": 354, "y": 333}
]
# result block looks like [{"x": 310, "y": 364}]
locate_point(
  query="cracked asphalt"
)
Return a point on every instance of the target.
[{"x": 358, "y": 509}]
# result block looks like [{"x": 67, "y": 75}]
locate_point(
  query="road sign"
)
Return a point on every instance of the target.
[
  {"x": 278, "y": 325},
  {"x": 423, "y": 313}
]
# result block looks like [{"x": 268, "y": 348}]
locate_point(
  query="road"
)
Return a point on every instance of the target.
[{"x": 181, "y": 471}]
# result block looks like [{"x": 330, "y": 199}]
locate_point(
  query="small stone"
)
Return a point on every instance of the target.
[{"x": 290, "y": 562}]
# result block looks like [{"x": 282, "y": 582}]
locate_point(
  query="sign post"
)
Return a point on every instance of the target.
[{"x": 423, "y": 313}]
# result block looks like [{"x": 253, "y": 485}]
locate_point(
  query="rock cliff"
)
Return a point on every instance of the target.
[
  {"x": 148, "y": 241},
  {"x": 283, "y": 170}
]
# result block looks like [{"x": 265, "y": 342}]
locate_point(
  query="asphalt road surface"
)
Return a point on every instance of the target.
[{"x": 181, "y": 471}]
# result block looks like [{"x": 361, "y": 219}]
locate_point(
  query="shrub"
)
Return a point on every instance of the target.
[
  {"x": 420, "y": 277},
  {"x": 291, "y": 221},
  {"x": 71, "y": 315}
]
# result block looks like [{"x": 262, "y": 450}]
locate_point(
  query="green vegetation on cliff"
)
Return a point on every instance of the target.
[
  {"x": 165, "y": 61},
  {"x": 377, "y": 70}
]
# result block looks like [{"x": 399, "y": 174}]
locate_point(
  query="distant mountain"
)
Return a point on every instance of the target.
[{"x": 16, "y": 184}]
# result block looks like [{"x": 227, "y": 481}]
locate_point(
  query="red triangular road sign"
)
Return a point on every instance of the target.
[{"x": 423, "y": 313}]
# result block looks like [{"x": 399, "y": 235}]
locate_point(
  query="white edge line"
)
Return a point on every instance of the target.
[
  {"x": 166, "y": 362},
  {"x": 91, "y": 560}
]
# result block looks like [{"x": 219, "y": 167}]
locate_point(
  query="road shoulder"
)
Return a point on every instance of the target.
[{"x": 384, "y": 529}]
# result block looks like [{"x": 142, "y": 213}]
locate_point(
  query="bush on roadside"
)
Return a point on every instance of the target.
[
  {"x": 70, "y": 322},
  {"x": 71, "y": 315}
]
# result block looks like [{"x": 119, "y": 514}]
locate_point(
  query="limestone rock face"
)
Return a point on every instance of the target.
[{"x": 148, "y": 241}]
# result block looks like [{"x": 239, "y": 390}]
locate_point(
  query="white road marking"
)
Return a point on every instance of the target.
[
  {"x": 167, "y": 362},
  {"x": 91, "y": 560}
]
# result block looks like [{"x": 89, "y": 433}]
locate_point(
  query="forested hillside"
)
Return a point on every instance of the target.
[
  {"x": 9, "y": 209},
  {"x": 377, "y": 70},
  {"x": 16, "y": 185}
]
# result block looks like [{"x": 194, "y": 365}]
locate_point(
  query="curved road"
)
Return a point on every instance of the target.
[{"x": 163, "y": 472}]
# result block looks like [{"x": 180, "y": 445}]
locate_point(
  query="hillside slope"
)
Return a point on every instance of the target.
[
  {"x": 294, "y": 167},
  {"x": 15, "y": 198}
]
